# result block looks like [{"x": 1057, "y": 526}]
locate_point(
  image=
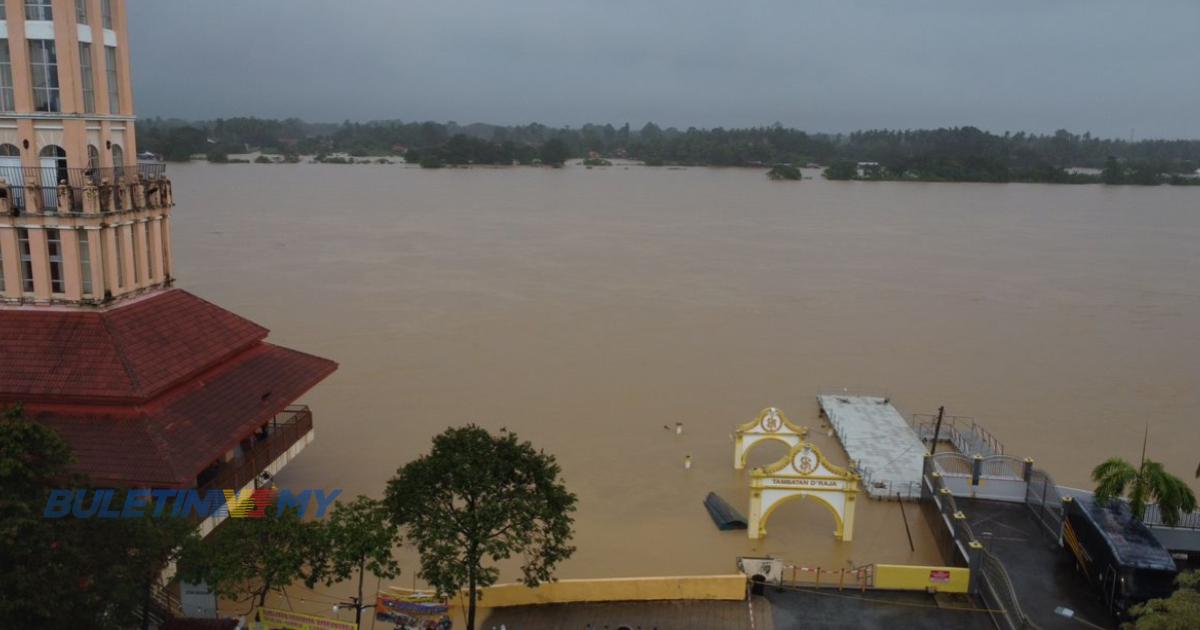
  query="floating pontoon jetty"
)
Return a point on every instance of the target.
[{"x": 882, "y": 446}]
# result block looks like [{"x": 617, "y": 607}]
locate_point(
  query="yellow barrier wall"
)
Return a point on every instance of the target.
[
  {"x": 900, "y": 577},
  {"x": 724, "y": 587}
]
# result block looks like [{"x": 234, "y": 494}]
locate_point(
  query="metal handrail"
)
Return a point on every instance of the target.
[
  {"x": 286, "y": 428},
  {"x": 959, "y": 465},
  {"x": 967, "y": 435},
  {"x": 47, "y": 179},
  {"x": 996, "y": 577},
  {"x": 1153, "y": 516}
]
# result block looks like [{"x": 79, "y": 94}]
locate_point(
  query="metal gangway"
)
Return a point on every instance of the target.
[{"x": 882, "y": 446}]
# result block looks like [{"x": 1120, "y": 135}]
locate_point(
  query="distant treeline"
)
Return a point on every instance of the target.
[{"x": 951, "y": 154}]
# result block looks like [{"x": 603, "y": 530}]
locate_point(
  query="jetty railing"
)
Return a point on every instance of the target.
[
  {"x": 1044, "y": 500},
  {"x": 959, "y": 545},
  {"x": 997, "y": 592},
  {"x": 962, "y": 431},
  {"x": 858, "y": 578},
  {"x": 1153, "y": 517},
  {"x": 948, "y": 524},
  {"x": 888, "y": 489},
  {"x": 996, "y": 477}
]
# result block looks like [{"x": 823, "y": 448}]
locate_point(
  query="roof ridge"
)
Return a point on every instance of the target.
[
  {"x": 135, "y": 384},
  {"x": 151, "y": 429}
]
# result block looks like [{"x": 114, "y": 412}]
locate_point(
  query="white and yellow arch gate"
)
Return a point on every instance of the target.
[
  {"x": 770, "y": 424},
  {"x": 803, "y": 473}
]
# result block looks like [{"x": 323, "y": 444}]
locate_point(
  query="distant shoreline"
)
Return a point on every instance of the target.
[{"x": 1075, "y": 176}]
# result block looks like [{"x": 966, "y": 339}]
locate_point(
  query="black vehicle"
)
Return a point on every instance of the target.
[{"x": 1117, "y": 553}]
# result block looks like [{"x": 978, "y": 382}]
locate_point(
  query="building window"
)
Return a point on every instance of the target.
[
  {"x": 110, "y": 67},
  {"x": 85, "y": 262},
  {"x": 38, "y": 10},
  {"x": 106, "y": 13},
  {"x": 85, "y": 75},
  {"x": 53, "y": 159},
  {"x": 118, "y": 157},
  {"x": 81, "y": 11},
  {"x": 54, "y": 249},
  {"x": 43, "y": 70},
  {"x": 2, "y": 289},
  {"x": 6, "y": 79},
  {"x": 26, "y": 260}
]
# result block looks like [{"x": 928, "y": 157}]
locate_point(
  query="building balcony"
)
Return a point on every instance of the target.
[
  {"x": 37, "y": 189},
  {"x": 266, "y": 451}
]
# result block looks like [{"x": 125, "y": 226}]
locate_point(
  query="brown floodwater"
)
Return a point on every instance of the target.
[{"x": 586, "y": 309}]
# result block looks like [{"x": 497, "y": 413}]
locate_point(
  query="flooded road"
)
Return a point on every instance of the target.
[{"x": 586, "y": 309}]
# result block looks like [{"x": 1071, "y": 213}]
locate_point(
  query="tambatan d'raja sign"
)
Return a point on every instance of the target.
[
  {"x": 804, "y": 472},
  {"x": 770, "y": 425}
]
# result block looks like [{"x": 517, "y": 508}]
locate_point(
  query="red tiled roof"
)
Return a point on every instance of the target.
[
  {"x": 168, "y": 442},
  {"x": 124, "y": 354}
]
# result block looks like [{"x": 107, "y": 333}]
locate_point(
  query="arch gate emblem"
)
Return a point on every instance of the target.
[
  {"x": 804, "y": 472},
  {"x": 770, "y": 424}
]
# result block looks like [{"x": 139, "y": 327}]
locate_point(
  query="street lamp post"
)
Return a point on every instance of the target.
[{"x": 354, "y": 604}]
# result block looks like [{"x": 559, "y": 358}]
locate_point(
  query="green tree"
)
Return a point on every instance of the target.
[
  {"x": 245, "y": 559},
  {"x": 784, "y": 171},
  {"x": 1113, "y": 173},
  {"x": 479, "y": 496},
  {"x": 841, "y": 169},
  {"x": 182, "y": 142},
  {"x": 555, "y": 152},
  {"x": 1180, "y": 611},
  {"x": 81, "y": 573},
  {"x": 358, "y": 537},
  {"x": 1146, "y": 483},
  {"x": 430, "y": 159}
]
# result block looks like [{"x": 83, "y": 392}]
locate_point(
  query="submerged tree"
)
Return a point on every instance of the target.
[
  {"x": 555, "y": 152},
  {"x": 1146, "y": 483},
  {"x": 784, "y": 171},
  {"x": 476, "y": 497},
  {"x": 1113, "y": 172},
  {"x": 841, "y": 169}
]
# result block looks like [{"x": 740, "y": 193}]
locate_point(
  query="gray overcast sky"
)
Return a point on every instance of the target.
[{"x": 1035, "y": 65}]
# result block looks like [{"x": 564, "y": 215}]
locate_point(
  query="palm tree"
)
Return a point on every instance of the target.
[{"x": 1147, "y": 483}]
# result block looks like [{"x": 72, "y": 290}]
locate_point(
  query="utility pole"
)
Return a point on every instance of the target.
[{"x": 937, "y": 430}]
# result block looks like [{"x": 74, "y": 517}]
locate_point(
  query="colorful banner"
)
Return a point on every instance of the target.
[
  {"x": 408, "y": 610},
  {"x": 275, "y": 619}
]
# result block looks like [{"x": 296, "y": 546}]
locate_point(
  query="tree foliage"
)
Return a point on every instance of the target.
[
  {"x": 784, "y": 172},
  {"x": 945, "y": 154},
  {"x": 1113, "y": 172},
  {"x": 68, "y": 572},
  {"x": 1147, "y": 483},
  {"x": 555, "y": 152},
  {"x": 357, "y": 538},
  {"x": 1180, "y": 611},
  {"x": 479, "y": 498},
  {"x": 244, "y": 559}
]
